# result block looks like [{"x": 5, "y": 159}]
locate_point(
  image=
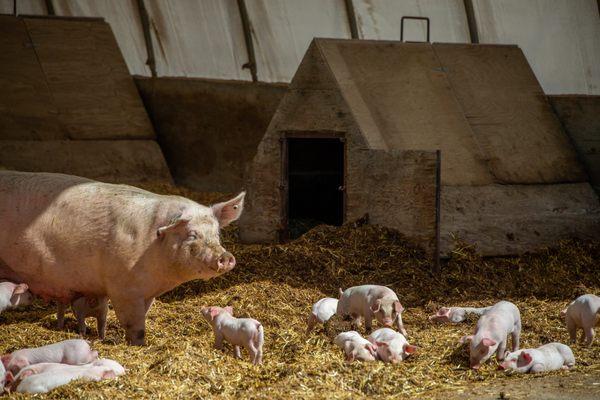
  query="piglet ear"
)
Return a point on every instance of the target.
[
  {"x": 466, "y": 339},
  {"x": 375, "y": 307},
  {"x": 229, "y": 309},
  {"x": 6, "y": 359},
  {"x": 230, "y": 210},
  {"x": 21, "y": 288},
  {"x": 175, "y": 224},
  {"x": 8, "y": 378},
  {"x": 349, "y": 357},
  {"x": 410, "y": 349},
  {"x": 381, "y": 344},
  {"x": 526, "y": 357},
  {"x": 108, "y": 374},
  {"x": 488, "y": 342},
  {"x": 214, "y": 312},
  {"x": 398, "y": 307}
]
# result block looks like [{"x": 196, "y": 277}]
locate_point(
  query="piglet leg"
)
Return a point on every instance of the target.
[
  {"x": 60, "y": 316},
  {"x": 237, "y": 352},
  {"x": 572, "y": 328}
]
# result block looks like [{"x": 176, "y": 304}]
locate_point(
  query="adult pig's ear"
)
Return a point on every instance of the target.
[
  {"x": 177, "y": 223},
  {"x": 230, "y": 210},
  {"x": 21, "y": 288},
  {"x": 398, "y": 307},
  {"x": 377, "y": 306}
]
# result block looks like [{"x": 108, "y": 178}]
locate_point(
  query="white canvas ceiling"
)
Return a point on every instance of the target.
[{"x": 204, "y": 38}]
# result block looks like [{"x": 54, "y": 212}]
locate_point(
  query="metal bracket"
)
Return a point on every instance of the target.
[{"x": 415, "y": 18}]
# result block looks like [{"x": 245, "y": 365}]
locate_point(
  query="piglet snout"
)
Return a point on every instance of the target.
[
  {"x": 500, "y": 367},
  {"x": 226, "y": 262}
]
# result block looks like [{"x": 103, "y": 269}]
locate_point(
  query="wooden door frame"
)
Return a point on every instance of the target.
[{"x": 284, "y": 192}]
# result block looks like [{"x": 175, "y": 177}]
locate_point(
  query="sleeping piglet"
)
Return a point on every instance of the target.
[
  {"x": 321, "y": 312},
  {"x": 84, "y": 307},
  {"x": 456, "y": 314},
  {"x": 549, "y": 357},
  {"x": 54, "y": 375},
  {"x": 491, "y": 333},
  {"x": 371, "y": 301},
  {"x": 13, "y": 295},
  {"x": 244, "y": 332},
  {"x": 392, "y": 346},
  {"x": 72, "y": 351},
  {"x": 582, "y": 313},
  {"x": 356, "y": 347}
]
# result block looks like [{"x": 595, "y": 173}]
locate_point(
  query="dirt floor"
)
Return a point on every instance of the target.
[{"x": 278, "y": 284}]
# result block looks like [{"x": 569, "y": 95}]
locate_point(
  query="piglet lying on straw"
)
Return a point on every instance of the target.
[
  {"x": 72, "y": 351},
  {"x": 456, "y": 314},
  {"x": 391, "y": 346},
  {"x": 244, "y": 332},
  {"x": 356, "y": 347},
  {"x": 549, "y": 357},
  {"x": 43, "y": 377}
]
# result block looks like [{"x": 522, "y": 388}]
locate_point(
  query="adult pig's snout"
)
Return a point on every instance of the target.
[{"x": 225, "y": 262}]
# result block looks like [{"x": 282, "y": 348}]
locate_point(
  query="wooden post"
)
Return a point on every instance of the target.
[
  {"x": 145, "y": 19},
  {"x": 251, "y": 64},
  {"x": 50, "y": 7},
  {"x": 471, "y": 21},
  {"x": 15, "y": 8},
  {"x": 352, "y": 19},
  {"x": 438, "y": 197}
]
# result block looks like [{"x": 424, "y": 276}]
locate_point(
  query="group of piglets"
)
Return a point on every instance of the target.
[
  {"x": 503, "y": 318},
  {"x": 495, "y": 324},
  {"x": 365, "y": 303},
  {"x": 41, "y": 369},
  {"x": 14, "y": 295}
]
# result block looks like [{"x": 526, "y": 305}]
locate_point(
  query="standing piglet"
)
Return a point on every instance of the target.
[
  {"x": 549, "y": 357},
  {"x": 356, "y": 347},
  {"x": 582, "y": 313},
  {"x": 72, "y": 351},
  {"x": 371, "y": 301},
  {"x": 84, "y": 307},
  {"x": 321, "y": 311},
  {"x": 13, "y": 295},
  {"x": 456, "y": 314},
  {"x": 491, "y": 334},
  {"x": 244, "y": 332},
  {"x": 392, "y": 346}
]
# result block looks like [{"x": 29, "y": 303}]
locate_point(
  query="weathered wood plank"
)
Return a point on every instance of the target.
[
  {"x": 513, "y": 219},
  {"x": 122, "y": 161},
  {"x": 512, "y": 121},
  {"x": 27, "y": 110},
  {"x": 88, "y": 79}
]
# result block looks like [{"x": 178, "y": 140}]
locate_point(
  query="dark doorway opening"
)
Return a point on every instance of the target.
[{"x": 315, "y": 172}]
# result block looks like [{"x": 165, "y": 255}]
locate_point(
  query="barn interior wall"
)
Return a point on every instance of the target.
[{"x": 209, "y": 130}]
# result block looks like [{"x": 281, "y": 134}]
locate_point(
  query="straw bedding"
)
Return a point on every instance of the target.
[{"x": 277, "y": 284}]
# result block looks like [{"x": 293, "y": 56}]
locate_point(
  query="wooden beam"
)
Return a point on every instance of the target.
[
  {"x": 251, "y": 64},
  {"x": 352, "y": 19},
  {"x": 50, "y": 7},
  {"x": 438, "y": 208},
  {"x": 145, "y": 19},
  {"x": 472, "y": 21}
]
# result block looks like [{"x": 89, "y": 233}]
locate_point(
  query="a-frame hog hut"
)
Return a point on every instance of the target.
[{"x": 358, "y": 130}]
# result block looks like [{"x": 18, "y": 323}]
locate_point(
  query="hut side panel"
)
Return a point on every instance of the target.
[
  {"x": 513, "y": 219},
  {"x": 512, "y": 120},
  {"x": 397, "y": 190},
  {"x": 26, "y": 108}
]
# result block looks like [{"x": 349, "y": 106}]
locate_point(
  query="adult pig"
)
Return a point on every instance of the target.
[{"x": 68, "y": 237}]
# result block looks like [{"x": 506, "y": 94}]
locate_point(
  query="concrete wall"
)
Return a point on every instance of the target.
[
  {"x": 580, "y": 116},
  {"x": 209, "y": 130}
]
